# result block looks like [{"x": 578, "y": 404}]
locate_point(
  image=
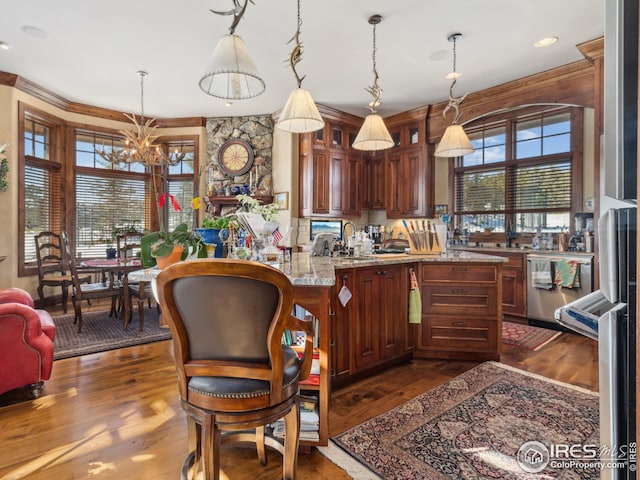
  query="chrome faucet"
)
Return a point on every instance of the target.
[{"x": 345, "y": 241}]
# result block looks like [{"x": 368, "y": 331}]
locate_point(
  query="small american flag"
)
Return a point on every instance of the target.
[{"x": 277, "y": 236}]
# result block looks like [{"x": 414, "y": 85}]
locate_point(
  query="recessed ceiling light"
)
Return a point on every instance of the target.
[
  {"x": 545, "y": 42},
  {"x": 35, "y": 32},
  {"x": 228, "y": 104},
  {"x": 4, "y": 45},
  {"x": 452, "y": 75}
]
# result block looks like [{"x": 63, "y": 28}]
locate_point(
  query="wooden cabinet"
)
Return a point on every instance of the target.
[
  {"x": 345, "y": 169},
  {"x": 514, "y": 291},
  {"x": 381, "y": 314},
  {"x": 461, "y": 311},
  {"x": 372, "y": 330},
  {"x": 406, "y": 183},
  {"x": 514, "y": 288},
  {"x": 341, "y": 324},
  {"x": 408, "y": 168},
  {"x": 331, "y": 172},
  {"x": 374, "y": 181}
]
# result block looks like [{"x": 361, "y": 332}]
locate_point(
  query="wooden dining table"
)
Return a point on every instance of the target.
[{"x": 119, "y": 267}]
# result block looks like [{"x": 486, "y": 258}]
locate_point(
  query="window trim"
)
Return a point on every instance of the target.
[{"x": 56, "y": 158}]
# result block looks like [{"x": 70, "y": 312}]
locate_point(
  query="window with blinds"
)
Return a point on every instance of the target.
[
  {"x": 520, "y": 175},
  {"x": 113, "y": 197},
  {"x": 40, "y": 193},
  {"x": 105, "y": 204}
]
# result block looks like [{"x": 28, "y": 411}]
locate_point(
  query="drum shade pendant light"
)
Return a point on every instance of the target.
[
  {"x": 454, "y": 142},
  {"x": 300, "y": 114},
  {"x": 231, "y": 73},
  {"x": 373, "y": 134}
]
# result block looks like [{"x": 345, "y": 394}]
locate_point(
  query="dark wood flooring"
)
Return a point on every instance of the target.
[{"x": 116, "y": 415}]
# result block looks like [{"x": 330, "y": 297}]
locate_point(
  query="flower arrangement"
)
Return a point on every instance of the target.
[
  {"x": 4, "y": 167},
  {"x": 268, "y": 211}
]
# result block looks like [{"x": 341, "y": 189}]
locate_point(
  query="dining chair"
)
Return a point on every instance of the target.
[
  {"x": 235, "y": 376},
  {"x": 52, "y": 266},
  {"x": 110, "y": 287},
  {"x": 128, "y": 245},
  {"x": 141, "y": 292}
]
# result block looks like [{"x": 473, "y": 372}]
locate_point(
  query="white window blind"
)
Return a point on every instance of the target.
[
  {"x": 105, "y": 203},
  {"x": 41, "y": 203}
]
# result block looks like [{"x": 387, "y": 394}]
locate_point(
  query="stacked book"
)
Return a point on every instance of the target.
[{"x": 309, "y": 420}]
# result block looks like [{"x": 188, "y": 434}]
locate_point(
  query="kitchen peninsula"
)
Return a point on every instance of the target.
[{"x": 362, "y": 308}]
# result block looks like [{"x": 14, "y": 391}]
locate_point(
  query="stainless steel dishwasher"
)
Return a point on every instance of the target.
[{"x": 543, "y": 302}]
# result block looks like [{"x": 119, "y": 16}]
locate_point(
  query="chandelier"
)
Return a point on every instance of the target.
[
  {"x": 373, "y": 134},
  {"x": 139, "y": 142},
  {"x": 455, "y": 142}
]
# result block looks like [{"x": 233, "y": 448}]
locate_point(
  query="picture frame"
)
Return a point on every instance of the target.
[
  {"x": 441, "y": 209},
  {"x": 281, "y": 200}
]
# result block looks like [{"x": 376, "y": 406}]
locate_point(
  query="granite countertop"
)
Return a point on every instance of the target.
[
  {"x": 305, "y": 270},
  {"x": 385, "y": 258},
  {"x": 302, "y": 270}
]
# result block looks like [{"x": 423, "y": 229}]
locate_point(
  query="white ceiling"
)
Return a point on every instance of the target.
[{"x": 95, "y": 47}]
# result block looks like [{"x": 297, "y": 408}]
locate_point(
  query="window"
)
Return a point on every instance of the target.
[
  {"x": 118, "y": 196},
  {"x": 181, "y": 181},
  {"x": 40, "y": 182},
  {"x": 522, "y": 173}
]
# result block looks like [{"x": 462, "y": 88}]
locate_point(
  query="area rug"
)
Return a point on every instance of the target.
[
  {"x": 472, "y": 428},
  {"x": 526, "y": 336},
  {"x": 100, "y": 333}
]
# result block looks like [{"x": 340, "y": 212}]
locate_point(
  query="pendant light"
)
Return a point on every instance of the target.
[
  {"x": 373, "y": 134},
  {"x": 454, "y": 142},
  {"x": 300, "y": 114},
  {"x": 231, "y": 73}
]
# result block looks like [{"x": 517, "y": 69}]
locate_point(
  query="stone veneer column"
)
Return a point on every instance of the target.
[{"x": 257, "y": 130}]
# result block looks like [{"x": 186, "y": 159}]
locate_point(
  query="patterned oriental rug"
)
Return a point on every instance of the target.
[
  {"x": 526, "y": 336},
  {"x": 100, "y": 333},
  {"x": 472, "y": 428}
]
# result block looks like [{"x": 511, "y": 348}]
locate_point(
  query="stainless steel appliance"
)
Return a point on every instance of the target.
[
  {"x": 609, "y": 315},
  {"x": 543, "y": 301}
]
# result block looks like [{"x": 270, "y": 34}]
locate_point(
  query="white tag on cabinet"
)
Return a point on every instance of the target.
[{"x": 344, "y": 295}]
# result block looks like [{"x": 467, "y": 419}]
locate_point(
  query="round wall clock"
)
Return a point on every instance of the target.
[{"x": 235, "y": 157}]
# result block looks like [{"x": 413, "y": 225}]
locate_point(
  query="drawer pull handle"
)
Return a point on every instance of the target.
[
  {"x": 459, "y": 269},
  {"x": 459, "y": 324},
  {"x": 458, "y": 290}
]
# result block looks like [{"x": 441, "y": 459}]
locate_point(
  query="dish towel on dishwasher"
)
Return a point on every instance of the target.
[
  {"x": 567, "y": 274},
  {"x": 541, "y": 273}
]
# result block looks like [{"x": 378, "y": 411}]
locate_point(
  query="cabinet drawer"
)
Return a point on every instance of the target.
[
  {"x": 459, "y": 273},
  {"x": 515, "y": 260},
  {"x": 459, "y": 300},
  {"x": 456, "y": 334}
]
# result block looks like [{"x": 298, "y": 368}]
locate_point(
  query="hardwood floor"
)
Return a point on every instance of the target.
[{"x": 116, "y": 414}]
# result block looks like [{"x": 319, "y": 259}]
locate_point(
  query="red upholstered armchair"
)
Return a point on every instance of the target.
[{"x": 26, "y": 342}]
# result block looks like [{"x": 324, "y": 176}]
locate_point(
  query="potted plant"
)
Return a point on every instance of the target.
[
  {"x": 111, "y": 251},
  {"x": 211, "y": 229},
  {"x": 177, "y": 245}
]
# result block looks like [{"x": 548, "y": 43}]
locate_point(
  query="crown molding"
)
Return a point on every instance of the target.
[{"x": 47, "y": 96}]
